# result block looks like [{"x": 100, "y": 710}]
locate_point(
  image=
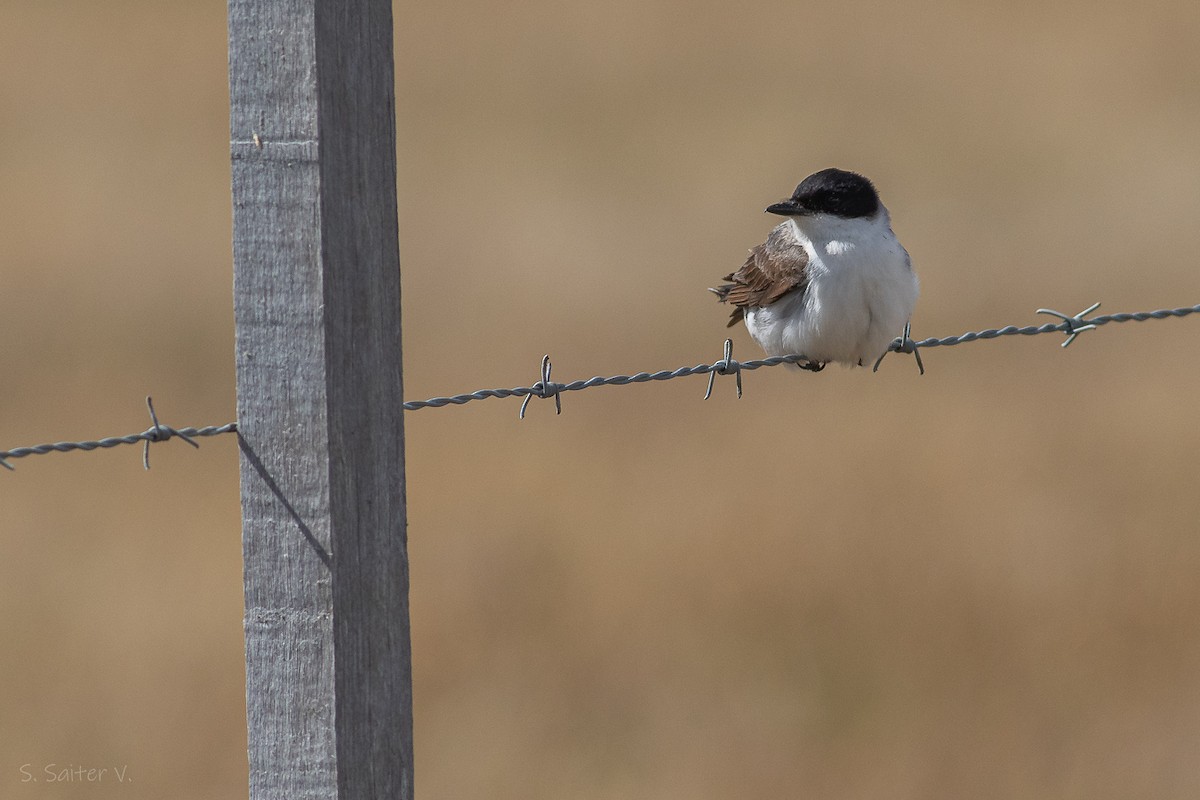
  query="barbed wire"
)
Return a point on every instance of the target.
[
  {"x": 157, "y": 432},
  {"x": 546, "y": 388}
]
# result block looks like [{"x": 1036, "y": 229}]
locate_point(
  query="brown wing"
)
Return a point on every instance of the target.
[{"x": 774, "y": 268}]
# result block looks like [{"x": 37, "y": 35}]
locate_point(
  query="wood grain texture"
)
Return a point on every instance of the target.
[{"x": 317, "y": 304}]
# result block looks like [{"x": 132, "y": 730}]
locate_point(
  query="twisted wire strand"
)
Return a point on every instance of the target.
[
  {"x": 158, "y": 434},
  {"x": 545, "y": 388},
  {"x": 1061, "y": 327},
  {"x": 548, "y": 390}
]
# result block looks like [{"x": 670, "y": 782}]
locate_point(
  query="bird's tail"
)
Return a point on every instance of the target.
[{"x": 722, "y": 293}]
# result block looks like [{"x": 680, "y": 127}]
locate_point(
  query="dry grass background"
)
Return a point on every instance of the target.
[{"x": 980, "y": 583}]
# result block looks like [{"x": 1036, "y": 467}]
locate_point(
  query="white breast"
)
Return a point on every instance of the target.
[{"x": 861, "y": 292}]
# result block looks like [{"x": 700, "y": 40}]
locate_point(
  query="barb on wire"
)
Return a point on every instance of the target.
[
  {"x": 1072, "y": 330},
  {"x": 546, "y": 388},
  {"x": 904, "y": 344},
  {"x": 724, "y": 367},
  {"x": 160, "y": 433}
]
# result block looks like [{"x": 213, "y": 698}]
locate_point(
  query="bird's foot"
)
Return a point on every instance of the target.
[{"x": 811, "y": 366}]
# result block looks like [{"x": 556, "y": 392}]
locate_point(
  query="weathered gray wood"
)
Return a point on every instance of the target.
[{"x": 317, "y": 303}]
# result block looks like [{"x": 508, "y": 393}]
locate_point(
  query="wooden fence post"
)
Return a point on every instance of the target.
[{"x": 317, "y": 304}]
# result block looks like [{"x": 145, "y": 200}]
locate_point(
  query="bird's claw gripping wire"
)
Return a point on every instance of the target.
[
  {"x": 1073, "y": 325},
  {"x": 724, "y": 367},
  {"x": 904, "y": 344},
  {"x": 544, "y": 388}
]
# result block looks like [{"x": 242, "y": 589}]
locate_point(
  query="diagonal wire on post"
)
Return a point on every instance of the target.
[{"x": 545, "y": 388}]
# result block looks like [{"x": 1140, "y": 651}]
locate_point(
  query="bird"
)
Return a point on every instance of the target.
[{"x": 831, "y": 283}]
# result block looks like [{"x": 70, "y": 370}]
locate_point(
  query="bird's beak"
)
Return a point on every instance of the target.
[{"x": 786, "y": 208}]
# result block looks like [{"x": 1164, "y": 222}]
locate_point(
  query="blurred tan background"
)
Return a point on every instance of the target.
[{"x": 979, "y": 583}]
